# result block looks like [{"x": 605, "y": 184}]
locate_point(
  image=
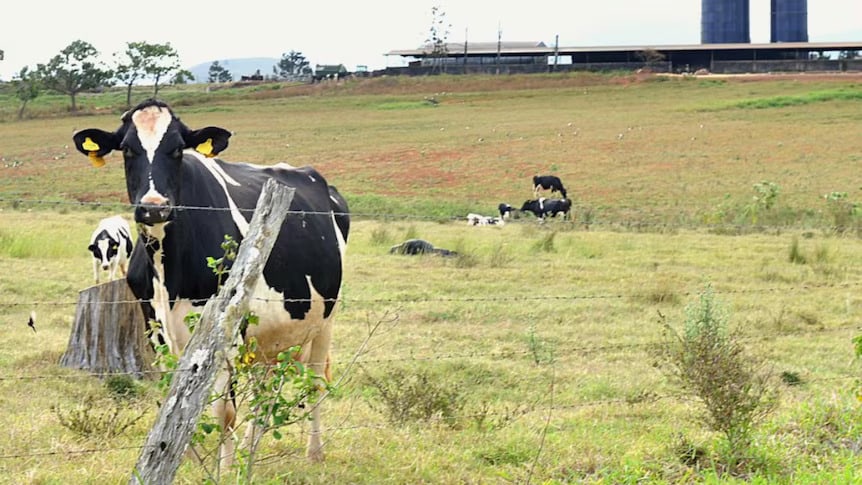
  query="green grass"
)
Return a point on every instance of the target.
[{"x": 542, "y": 331}]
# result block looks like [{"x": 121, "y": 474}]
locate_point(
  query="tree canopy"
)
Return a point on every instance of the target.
[
  {"x": 219, "y": 74},
  {"x": 292, "y": 65},
  {"x": 73, "y": 71}
]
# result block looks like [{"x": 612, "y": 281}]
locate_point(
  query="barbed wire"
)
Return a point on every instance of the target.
[
  {"x": 645, "y": 397},
  {"x": 493, "y": 354},
  {"x": 476, "y": 299},
  {"x": 637, "y": 224}
]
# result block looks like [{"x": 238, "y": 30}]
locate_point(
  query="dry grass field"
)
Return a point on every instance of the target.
[{"x": 533, "y": 356}]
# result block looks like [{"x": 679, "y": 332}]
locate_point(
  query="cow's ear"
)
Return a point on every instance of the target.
[
  {"x": 95, "y": 144},
  {"x": 91, "y": 247},
  {"x": 209, "y": 141}
]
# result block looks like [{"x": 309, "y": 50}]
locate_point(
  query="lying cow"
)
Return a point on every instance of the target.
[
  {"x": 480, "y": 220},
  {"x": 419, "y": 246},
  {"x": 542, "y": 208},
  {"x": 548, "y": 182},
  {"x": 111, "y": 245},
  {"x": 506, "y": 211}
]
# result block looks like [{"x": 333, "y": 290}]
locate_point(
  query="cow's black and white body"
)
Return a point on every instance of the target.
[
  {"x": 542, "y": 208},
  {"x": 413, "y": 247},
  {"x": 173, "y": 187},
  {"x": 111, "y": 246},
  {"x": 548, "y": 182},
  {"x": 480, "y": 220},
  {"x": 506, "y": 210}
]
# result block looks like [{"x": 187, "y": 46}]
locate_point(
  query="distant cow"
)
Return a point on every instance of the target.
[
  {"x": 480, "y": 220},
  {"x": 548, "y": 182},
  {"x": 542, "y": 208},
  {"x": 111, "y": 245},
  {"x": 505, "y": 210},
  {"x": 419, "y": 246}
]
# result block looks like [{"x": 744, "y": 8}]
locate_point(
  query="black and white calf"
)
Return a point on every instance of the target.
[
  {"x": 505, "y": 210},
  {"x": 548, "y": 182},
  {"x": 542, "y": 208},
  {"x": 480, "y": 220},
  {"x": 111, "y": 245},
  {"x": 186, "y": 203}
]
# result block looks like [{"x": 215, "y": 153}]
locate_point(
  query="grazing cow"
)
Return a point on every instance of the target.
[
  {"x": 419, "y": 246},
  {"x": 548, "y": 182},
  {"x": 111, "y": 245},
  {"x": 480, "y": 220},
  {"x": 505, "y": 210},
  {"x": 187, "y": 202},
  {"x": 542, "y": 208}
]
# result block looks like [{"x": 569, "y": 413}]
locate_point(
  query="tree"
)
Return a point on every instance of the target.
[
  {"x": 142, "y": 59},
  {"x": 438, "y": 33},
  {"x": 218, "y": 74},
  {"x": 292, "y": 65},
  {"x": 73, "y": 71},
  {"x": 183, "y": 76},
  {"x": 163, "y": 61},
  {"x": 27, "y": 88}
]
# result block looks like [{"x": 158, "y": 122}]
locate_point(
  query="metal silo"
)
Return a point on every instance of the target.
[
  {"x": 789, "y": 19},
  {"x": 724, "y": 22}
]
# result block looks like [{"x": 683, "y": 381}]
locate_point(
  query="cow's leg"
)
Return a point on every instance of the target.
[
  {"x": 96, "y": 271},
  {"x": 318, "y": 361}
]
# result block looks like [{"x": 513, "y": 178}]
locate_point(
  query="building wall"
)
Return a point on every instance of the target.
[
  {"x": 789, "y": 21},
  {"x": 725, "y": 22}
]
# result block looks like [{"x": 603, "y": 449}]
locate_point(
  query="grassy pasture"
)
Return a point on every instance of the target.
[{"x": 539, "y": 334}]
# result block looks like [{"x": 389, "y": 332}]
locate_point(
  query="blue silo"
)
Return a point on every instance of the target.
[
  {"x": 724, "y": 22},
  {"x": 789, "y": 20}
]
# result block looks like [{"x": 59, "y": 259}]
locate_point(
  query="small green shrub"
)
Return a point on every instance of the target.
[
  {"x": 99, "y": 418},
  {"x": 708, "y": 362},
  {"x": 546, "y": 243},
  {"x": 380, "y": 236},
  {"x": 499, "y": 257},
  {"x": 406, "y": 395},
  {"x": 794, "y": 255},
  {"x": 540, "y": 351},
  {"x": 123, "y": 386}
]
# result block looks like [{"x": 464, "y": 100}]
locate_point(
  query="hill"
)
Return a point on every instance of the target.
[{"x": 237, "y": 67}]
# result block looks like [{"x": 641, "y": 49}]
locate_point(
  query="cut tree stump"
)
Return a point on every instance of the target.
[{"x": 109, "y": 335}]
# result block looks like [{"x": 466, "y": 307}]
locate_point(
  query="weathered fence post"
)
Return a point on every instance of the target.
[
  {"x": 217, "y": 329},
  {"x": 109, "y": 333}
]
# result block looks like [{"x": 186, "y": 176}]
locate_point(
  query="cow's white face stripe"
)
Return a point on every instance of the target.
[
  {"x": 103, "y": 248},
  {"x": 223, "y": 179},
  {"x": 152, "y": 123}
]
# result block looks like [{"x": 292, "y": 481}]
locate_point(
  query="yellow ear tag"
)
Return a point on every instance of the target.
[
  {"x": 206, "y": 148},
  {"x": 90, "y": 145},
  {"x": 96, "y": 160}
]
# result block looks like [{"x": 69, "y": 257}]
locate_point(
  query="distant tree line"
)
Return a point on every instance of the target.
[{"x": 76, "y": 69}]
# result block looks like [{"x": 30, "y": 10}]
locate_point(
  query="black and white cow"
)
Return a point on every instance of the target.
[
  {"x": 187, "y": 202},
  {"x": 548, "y": 182},
  {"x": 111, "y": 246},
  {"x": 506, "y": 210},
  {"x": 480, "y": 220},
  {"x": 542, "y": 208}
]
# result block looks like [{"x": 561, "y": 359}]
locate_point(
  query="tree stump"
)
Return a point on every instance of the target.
[{"x": 109, "y": 333}]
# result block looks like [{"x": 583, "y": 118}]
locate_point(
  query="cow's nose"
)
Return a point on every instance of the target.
[
  {"x": 152, "y": 214},
  {"x": 105, "y": 266}
]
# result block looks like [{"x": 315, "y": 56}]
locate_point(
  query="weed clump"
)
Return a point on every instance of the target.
[
  {"x": 708, "y": 362},
  {"x": 405, "y": 396}
]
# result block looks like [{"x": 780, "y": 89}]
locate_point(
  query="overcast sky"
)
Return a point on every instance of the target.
[{"x": 352, "y": 32}]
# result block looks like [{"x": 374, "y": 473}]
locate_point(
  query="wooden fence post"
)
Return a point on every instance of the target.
[{"x": 217, "y": 329}]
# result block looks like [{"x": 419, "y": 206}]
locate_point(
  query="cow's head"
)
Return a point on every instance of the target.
[
  {"x": 152, "y": 140},
  {"x": 104, "y": 250}
]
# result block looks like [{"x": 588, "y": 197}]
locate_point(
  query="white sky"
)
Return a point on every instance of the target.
[{"x": 360, "y": 32}]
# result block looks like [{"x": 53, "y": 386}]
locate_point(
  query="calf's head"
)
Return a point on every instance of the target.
[{"x": 152, "y": 140}]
